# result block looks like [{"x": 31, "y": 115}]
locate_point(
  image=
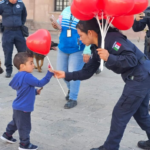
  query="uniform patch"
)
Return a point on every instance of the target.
[
  {"x": 18, "y": 6},
  {"x": 116, "y": 46}
]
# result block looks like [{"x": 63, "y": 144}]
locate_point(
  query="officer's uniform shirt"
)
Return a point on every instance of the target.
[
  {"x": 140, "y": 25},
  {"x": 13, "y": 15},
  {"x": 125, "y": 59}
]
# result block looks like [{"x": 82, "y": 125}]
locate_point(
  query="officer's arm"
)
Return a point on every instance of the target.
[
  {"x": 123, "y": 59},
  {"x": 139, "y": 25},
  {"x": 24, "y": 15},
  {"x": 87, "y": 71}
]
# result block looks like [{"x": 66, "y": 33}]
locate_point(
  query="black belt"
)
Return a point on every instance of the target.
[{"x": 12, "y": 28}]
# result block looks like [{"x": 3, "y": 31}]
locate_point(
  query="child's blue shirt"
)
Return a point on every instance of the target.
[{"x": 24, "y": 83}]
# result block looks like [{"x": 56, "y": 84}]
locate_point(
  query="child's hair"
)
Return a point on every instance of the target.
[
  {"x": 21, "y": 58},
  {"x": 92, "y": 24}
]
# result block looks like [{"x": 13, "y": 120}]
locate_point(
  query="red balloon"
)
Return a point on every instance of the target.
[
  {"x": 89, "y": 6},
  {"x": 79, "y": 15},
  {"x": 39, "y": 42},
  {"x": 118, "y": 7},
  {"x": 139, "y": 6},
  {"x": 100, "y": 6},
  {"x": 123, "y": 22},
  {"x": 100, "y": 17}
]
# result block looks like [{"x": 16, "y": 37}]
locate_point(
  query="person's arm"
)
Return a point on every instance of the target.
[
  {"x": 139, "y": 23},
  {"x": 123, "y": 62},
  {"x": 87, "y": 71},
  {"x": 31, "y": 80},
  {"x": 24, "y": 15},
  {"x": 58, "y": 21},
  {"x": 123, "y": 58}
]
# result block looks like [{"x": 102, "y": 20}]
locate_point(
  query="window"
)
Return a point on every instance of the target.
[{"x": 60, "y": 4}]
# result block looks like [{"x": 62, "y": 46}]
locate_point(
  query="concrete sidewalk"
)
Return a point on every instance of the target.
[{"x": 80, "y": 128}]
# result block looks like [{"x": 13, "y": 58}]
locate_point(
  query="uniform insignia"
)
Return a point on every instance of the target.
[
  {"x": 116, "y": 46},
  {"x": 18, "y": 6}
]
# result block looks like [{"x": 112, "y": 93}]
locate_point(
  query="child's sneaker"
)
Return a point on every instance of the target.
[
  {"x": 8, "y": 138},
  {"x": 28, "y": 146}
]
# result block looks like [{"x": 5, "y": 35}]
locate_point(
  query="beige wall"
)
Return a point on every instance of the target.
[{"x": 39, "y": 12}]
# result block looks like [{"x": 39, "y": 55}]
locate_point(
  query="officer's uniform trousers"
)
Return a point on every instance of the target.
[
  {"x": 12, "y": 37},
  {"x": 133, "y": 102}
]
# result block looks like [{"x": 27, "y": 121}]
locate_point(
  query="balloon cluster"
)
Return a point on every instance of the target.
[{"x": 121, "y": 11}]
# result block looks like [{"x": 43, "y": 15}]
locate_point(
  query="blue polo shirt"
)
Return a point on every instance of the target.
[{"x": 69, "y": 44}]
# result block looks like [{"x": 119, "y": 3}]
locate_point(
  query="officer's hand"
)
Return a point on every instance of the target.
[
  {"x": 103, "y": 54},
  {"x": 139, "y": 17},
  {"x": 86, "y": 58},
  {"x": 54, "y": 25},
  {"x": 58, "y": 74}
]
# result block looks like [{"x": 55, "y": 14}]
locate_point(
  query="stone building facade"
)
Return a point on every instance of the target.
[{"x": 39, "y": 12}]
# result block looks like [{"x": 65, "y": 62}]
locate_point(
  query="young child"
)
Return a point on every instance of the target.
[{"x": 24, "y": 83}]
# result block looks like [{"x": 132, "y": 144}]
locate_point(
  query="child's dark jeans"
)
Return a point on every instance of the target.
[{"x": 21, "y": 122}]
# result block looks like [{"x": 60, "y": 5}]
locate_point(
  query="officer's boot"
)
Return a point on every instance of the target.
[
  {"x": 144, "y": 144},
  {"x": 100, "y": 148},
  {"x": 8, "y": 75}
]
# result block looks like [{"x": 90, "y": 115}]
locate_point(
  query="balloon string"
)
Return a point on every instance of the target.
[
  {"x": 56, "y": 76},
  {"x": 104, "y": 30},
  {"x": 102, "y": 42},
  {"x": 109, "y": 25}
]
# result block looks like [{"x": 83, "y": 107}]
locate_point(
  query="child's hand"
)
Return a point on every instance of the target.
[
  {"x": 50, "y": 69},
  {"x": 39, "y": 91}
]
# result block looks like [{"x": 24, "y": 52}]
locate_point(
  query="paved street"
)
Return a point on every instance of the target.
[{"x": 80, "y": 128}]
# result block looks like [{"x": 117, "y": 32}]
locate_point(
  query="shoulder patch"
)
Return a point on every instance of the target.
[
  {"x": 116, "y": 46},
  {"x": 2, "y": 1}
]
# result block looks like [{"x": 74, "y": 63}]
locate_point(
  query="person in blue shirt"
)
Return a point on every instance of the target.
[
  {"x": 24, "y": 83},
  {"x": 70, "y": 52},
  {"x": 122, "y": 57},
  {"x": 14, "y": 15}
]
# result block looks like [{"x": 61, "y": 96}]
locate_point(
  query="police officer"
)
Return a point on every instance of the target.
[
  {"x": 140, "y": 23},
  {"x": 13, "y": 17},
  {"x": 122, "y": 57}
]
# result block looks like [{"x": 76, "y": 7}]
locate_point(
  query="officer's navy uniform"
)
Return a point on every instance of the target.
[
  {"x": 13, "y": 17},
  {"x": 139, "y": 26},
  {"x": 125, "y": 59}
]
